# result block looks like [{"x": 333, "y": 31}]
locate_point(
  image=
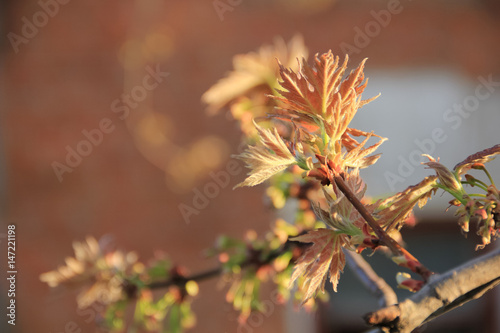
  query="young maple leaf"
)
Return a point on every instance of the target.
[
  {"x": 446, "y": 178},
  {"x": 341, "y": 215},
  {"x": 323, "y": 258},
  {"x": 358, "y": 157},
  {"x": 92, "y": 263},
  {"x": 319, "y": 94},
  {"x": 393, "y": 211},
  {"x": 253, "y": 70},
  {"x": 483, "y": 156},
  {"x": 266, "y": 160},
  {"x": 485, "y": 210}
]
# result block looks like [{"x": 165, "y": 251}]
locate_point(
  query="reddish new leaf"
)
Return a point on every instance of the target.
[
  {"x": 320, "y": 92},
  {"x": 393, "y": 211},
  {"x": 479, "y": 157},
  {"x": 253, "y": 70},
  {"x": 266, "y": 160},
  {"x": 320, "y": 99},
  {"x": 323, "y": 258}
]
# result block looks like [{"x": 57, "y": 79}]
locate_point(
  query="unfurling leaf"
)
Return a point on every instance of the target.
[
  {"x": 321, "y": 101},
  {"x": 479, "y": 157},
  {"x": 253, "y": 70},
  {"x": 323, "y": 258},
  {"x": 342, "y": 216},
  {"x": 446, "y": 177},
  {"x": 266, "y": 160},
  {"x": 320, "y": 94},
  {"x": 93, "y": 264},
  {"x": 358, "y": 157},
  {"x": 393, "y": 211}
]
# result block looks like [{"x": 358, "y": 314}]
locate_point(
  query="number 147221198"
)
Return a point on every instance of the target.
[{"x": 11, "y": 247}]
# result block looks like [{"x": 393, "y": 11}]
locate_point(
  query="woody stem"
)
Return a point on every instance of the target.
[
  {"x": 217, "y": 271},
  {"x": 387, "y": 240},
  {"x": 379, "y": 231}
]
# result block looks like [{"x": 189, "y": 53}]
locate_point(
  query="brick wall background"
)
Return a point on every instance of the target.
[{"x": 64, "y": 78}]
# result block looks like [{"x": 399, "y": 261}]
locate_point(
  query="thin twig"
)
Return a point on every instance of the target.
[
  {"x": 179, "y": 280},
  {"x": 374, "y": 283}
]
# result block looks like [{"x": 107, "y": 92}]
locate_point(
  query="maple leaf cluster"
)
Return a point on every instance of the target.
[
  {"x": 295, "y": 117},
  {"x": 109, "y": 279},
  {"x": 93, "y": 262},
  {"x": 244, "y": 89},
  {"x": 483, "y": 208},
  {"x": 317, "y": 102}
]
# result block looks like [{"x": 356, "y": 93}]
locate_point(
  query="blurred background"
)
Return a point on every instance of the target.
[{"x": 134, "y": 71}]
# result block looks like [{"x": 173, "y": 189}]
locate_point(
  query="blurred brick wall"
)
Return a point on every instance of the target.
[{"x": 64, "y": 79}]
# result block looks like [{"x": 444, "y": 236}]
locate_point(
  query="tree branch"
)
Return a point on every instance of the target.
[
  {"x": 369, "y": 278},
  {"x": 441, "y": 294},
  {"x": 180, "y": 280}
]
